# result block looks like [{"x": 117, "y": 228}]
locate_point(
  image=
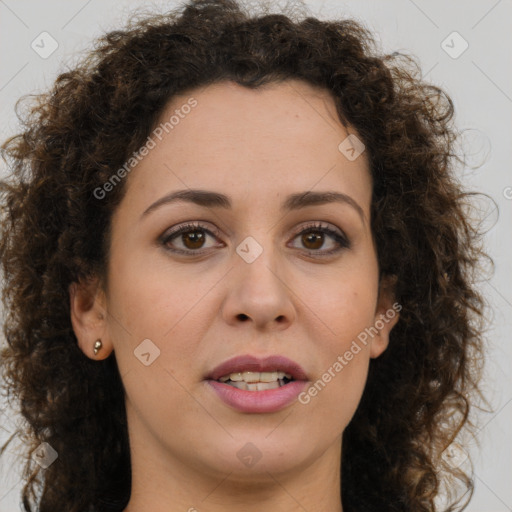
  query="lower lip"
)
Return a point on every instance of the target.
[{"x": 270, "y": 400}]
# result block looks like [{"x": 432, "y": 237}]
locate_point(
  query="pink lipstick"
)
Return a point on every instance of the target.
[{"x": 253, "y": 385}]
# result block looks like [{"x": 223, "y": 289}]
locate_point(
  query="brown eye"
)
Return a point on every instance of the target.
[
  {"x": 193, "y": 239},
  {"x": 313, "y": 240},
  {"x": 315, "y": 236},
  {"x": 187, "y": 239}
]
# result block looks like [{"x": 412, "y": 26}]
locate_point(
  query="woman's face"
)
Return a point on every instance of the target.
[{"x": 255, "y": 275}]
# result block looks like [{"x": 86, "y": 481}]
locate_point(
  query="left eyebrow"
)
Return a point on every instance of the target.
[{"x": 296, "y": 201}]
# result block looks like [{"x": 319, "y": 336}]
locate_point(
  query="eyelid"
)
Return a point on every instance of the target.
[
  {"x": 334, "y": 232},
  {"x": 190, "y": 226},
  {"x": 323, "y": 227},
  {"x": 319, "y": 225}
]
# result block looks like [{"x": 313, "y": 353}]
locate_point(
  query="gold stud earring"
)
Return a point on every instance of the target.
[{"x": 97, "y": 346}]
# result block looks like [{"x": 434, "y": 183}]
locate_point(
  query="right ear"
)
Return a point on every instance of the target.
[{"x": 89, "y": 317}]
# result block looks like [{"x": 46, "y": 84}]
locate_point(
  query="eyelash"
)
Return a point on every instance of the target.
[{"x": 313, "y": 227}]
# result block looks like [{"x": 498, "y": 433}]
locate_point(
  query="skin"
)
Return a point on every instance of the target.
[{"x": 256, "y": 146}]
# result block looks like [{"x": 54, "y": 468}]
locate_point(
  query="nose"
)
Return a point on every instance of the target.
[{"x": 258, "y": 293}]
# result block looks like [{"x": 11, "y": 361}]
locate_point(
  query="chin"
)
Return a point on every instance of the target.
[{"x": 255, "y": 454}]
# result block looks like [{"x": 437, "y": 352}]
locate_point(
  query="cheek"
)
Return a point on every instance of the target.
[
  {"x": 171, "y": 308},
  {"x": 152, "y": 299},
  {"x": 346, "y": 308},
  {"x": 336, "y": 390},
  {"x": 344, "y": 303}
]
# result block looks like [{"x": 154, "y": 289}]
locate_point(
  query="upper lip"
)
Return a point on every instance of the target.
[{"x": 248, "y": 363}]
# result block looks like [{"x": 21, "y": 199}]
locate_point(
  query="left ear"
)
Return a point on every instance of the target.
[{"x": 386, "y": 315}]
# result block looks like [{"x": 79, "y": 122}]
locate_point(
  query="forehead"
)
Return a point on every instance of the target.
[
  {"x": 277, "y": 117},
  {"x": 281, "y": 136}
]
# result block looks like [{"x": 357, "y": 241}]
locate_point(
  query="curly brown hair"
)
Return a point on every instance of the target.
[{"x": 55, "y": 231}]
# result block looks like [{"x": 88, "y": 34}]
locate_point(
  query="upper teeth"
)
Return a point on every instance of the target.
[{"x": 256, "y": 376}]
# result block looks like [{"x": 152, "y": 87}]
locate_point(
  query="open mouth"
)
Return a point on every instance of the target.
[
  {"x": 255, "y": 385},
  {"x": 256, "y": 381}
]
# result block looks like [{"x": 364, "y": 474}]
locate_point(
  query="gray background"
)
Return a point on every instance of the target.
[{"x": 479, "y": 82}]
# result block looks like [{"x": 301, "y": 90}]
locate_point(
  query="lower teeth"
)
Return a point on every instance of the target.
[{"x": 256, "y": 386}]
